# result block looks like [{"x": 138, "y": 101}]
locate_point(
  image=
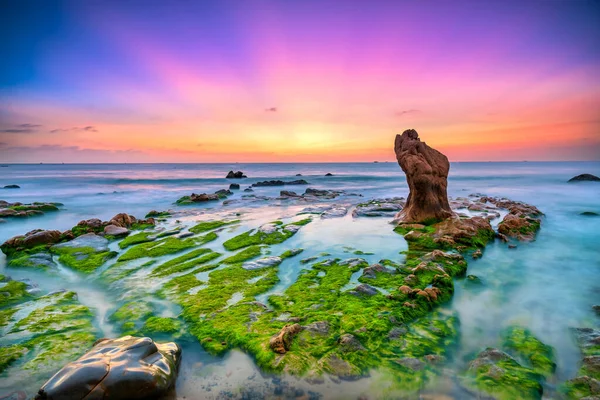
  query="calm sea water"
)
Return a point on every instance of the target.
[{"x": 548, "y": 285}]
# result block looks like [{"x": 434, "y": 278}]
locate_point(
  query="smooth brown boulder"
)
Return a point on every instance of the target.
[
  {"x": 124, "y": 368},
  {"x": 426, "y": 172},
  {"x": 281, "y": 342}
]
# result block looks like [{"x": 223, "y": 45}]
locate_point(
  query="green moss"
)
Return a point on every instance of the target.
[
  {"x": 256, "y": 237},
  {"x": 10, "y": 354},
  {"x": 206, "y": 226},
  {"x": 132, "y": 311},
  {"x": 141, "y": 237},
  {"x": 504, "y": 378},
  {"x": 155, "y": 325},
  {"x": 185, "y": 262},
  {"x": 6, "y": 315},
  {"x": 362, "y": 253},
  {"x": 158, "y": 214},
  {"x": 244, "y": 255},
  {"x": 83, "y": 259},
  {"x": 290, "y": 253},
  {"x": 137, "y": 226},
  {"x": 165, "y": 246},
  {"x": 13, "y": 292},
  {"x": 185, "y": 200},
  {"x": 522, "y": 344}
]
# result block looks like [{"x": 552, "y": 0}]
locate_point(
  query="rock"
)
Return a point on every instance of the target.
[
  {"x": 364, "y": 289},
  {"x": 589, "y": 214},
  {"x": 114, "y": 230},
  {"x": 12, "y": 187},
  {"x": 519, "y": 226},
  {"x": 397, "y": 332},
  {"x": 477, "y": 254},
  {"x": 411, "y": 363},
  {"x": 327, "y": 194},
  {"x": 235, "y": 175},
  {"x": 348, "y": 343},
  {"x": 298, "y": 174},
  {"x": 280, "y": 183},
  {"x": 124, "y": 368},
  {"x": 199, "y": 198},
  {"x": 379, "y": 208},
  {"x": 234, "y": 186},
  {"x": 281, "y": 342},
  {"x": 336, "y": 211},
  {"x": 512, "y": 246},
  {"x": 286, "y": 194},
  {"x": 262, "y": 263},
  {"x": 372, "y": 270},
  {"x": 248, "y": 190},
  {"x": 585, "y": 177},
  {"x": 329, "y": 174},
  {"x": 596, "y": 309},
  {"x": 223, "y": 192},
  {"x": 123, "y": 220},
  {"x": 426, "y": 172},
  {"x": 37, "y": 237},
  {"x": 320, "y": 327},
  {"x": 92, "y": 240}
]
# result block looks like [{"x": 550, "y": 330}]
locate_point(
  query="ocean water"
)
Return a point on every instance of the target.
[{"x": 548, "y": 285}]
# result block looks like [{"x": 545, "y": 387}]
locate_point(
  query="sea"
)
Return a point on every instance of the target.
[{"x": 548, "y": 285}]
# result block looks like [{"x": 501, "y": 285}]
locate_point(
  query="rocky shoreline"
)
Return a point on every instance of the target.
[{"x": 340, "y": 319}]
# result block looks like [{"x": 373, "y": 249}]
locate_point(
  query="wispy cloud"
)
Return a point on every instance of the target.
[
  {"x": 75, "y": 129},
  {"x": 404, "y": 113},
  {"x": 271, "y": 109},
  {"x": 21, "y": 128}
]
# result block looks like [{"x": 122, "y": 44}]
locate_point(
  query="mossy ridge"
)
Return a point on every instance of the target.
[
  {"x": 140, "y": 237},
  {"x": 83, "y": 259},
  {"x": 119, "y": 270},
  {"x": 503, "y": 377},
  {"x": 526, "y": 347},
  {"x": 158, "y": 214},
  {"x": 180, "y": 266},
  {"x": 59, "y": 331},
  {"x": 256, "y": 237},
  {"x": 165, "y": 246},
  {"x": 161, "y": 325},
  {"x": 131, "y": 315},
  {"x": 13, "y": 292},
  {"x": 206, "y": 226},
  {"x": 244, "y": 255}
]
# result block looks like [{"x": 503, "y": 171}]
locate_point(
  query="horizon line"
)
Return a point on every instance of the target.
[{"x": 283, "y": 162}]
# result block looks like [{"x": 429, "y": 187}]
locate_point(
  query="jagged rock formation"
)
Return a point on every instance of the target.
[
  {"x": 426, "y": 172},
  {"x": 124, "y": 368}
]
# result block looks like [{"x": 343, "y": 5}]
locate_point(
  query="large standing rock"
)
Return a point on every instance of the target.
[
  {"x": 124, "y": 368},
  {"x": 426, "y": 172}
]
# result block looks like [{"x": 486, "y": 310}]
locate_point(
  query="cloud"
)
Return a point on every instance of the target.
[
  {"x": 271, "y": 109},
  {"x": 21, "y": 128},
  {"x": 75, "y": 129},
  {"x": 407, "y": 112}
]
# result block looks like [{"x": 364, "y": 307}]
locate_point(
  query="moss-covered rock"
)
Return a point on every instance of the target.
[
  {"x": 267, "y": 234},
  {"x": 523, "y": 345}
]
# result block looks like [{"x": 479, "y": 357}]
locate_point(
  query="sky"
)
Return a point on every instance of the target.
[{"x": 297, "y": 81}]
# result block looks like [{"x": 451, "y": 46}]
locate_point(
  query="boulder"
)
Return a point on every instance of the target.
[
  {"x": 123, "y": 220},
  {"x": 280, "y": 183},
  {"x": 199, "y": 198},
  {"x": 329, "y": 174},
  {"x": 37, "y": 237},
  {"x": 124, "y": 368},
  {"x": 12, "y": 187},
  {"x": 114, "y": 230},
  {"x": 235, "y": 175},
  {"x": 287, "y": 193},
  {"x": 426, "y": 172},
  {"x": 223, "y": 192},
  {"x": 281, "y": 342},
  {"x": 234, "y": 186},
  {"x": 579, "y": 178}
]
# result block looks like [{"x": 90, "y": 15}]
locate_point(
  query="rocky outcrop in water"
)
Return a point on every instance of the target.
[
  {"x": 125, "y": 368},
  {"x": 280, "y": 183},
  {"x": 426, "y": 172},
  {"x": 16, "y": 210},
  {"x": 37, "y": 237},
  {"x": 585, "y": 177},
  {"x": 235, "y": 175}
]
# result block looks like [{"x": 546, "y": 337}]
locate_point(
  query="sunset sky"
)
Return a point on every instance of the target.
[{"x": 287, "y": 80}]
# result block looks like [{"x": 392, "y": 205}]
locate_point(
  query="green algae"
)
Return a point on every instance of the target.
[
  {"x": 10, "y": 354},
  {"x": 523, "y": 345},
  {"x": 244, "y": 255},
  {"x": 154, "y": 325},
  {"x": 165, "y": 246},
  {"x": 141, "y": 237},
  {"x": 158, "y": 214},
  {"x": 185, "y": 262},
  {"x": 498, "y": 374},
  {"x": 206, "y": 226},
  {"x": 13, "y": 292},
  {"x": 83, "y": 259},
  {"x": 256, "y": 237}
]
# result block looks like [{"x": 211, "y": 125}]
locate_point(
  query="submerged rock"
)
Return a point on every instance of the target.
[
  {"x": 234, "y": 186},
  {"x": 98, "y": 243},
  {"x": 124, "y": 368},
  {"x": 262, "y": 263},
  {"x": 12, "y": 187},
  {"x": 585, "y": 177},
  {"x": 114, "y": 230},
  {"x": 379, "y": 208},
  {"x": 426, "y": 172},
  {"x": 280, "y": 183}
]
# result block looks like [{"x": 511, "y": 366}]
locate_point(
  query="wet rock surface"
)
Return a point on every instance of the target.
[
  {"x": 426, "y": 172},
  {"x": 279, "y": 183},
  {"x": 124, "y": 368},
  {"x": 235, "y": 175},
  {"x": 20, "y": 210}
]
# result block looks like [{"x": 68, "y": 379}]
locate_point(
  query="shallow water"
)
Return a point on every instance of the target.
[{"x": 548, "y": 285}]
